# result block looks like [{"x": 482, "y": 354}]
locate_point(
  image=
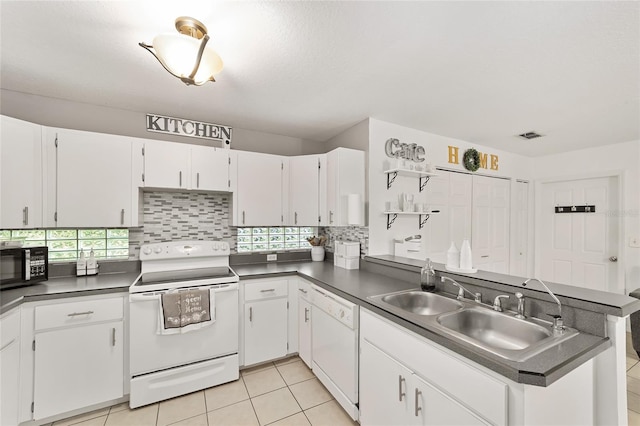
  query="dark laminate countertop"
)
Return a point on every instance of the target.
[{"x": 356, "y": 286}]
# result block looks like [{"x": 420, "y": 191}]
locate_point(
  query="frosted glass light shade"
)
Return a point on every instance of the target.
[{"x": 179, "y": 52}]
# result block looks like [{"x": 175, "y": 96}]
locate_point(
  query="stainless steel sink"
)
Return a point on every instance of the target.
[
  {"x": 499, "y": 333},
  {"x": 421, "y": 303},
  {"x": 418, "y": 302},
  {"x": 502, "y": 334}
]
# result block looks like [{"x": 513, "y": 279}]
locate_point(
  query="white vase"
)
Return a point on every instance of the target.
[
  {"x": 466, "y": 259},
  {"x": 453, "y": 256},
  {"x": 317, "y": 253}
]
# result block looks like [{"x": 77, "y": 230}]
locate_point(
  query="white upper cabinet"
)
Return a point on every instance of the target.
[
  {"x": 184, "y": 166},
  {"x": 209, "y": 168},
  {"x": 304, "y": 186},
  {"x": 345, "y": 177},
  {"x": 93, "y": 179},
  {"x": 166, "y": 165},
  {"x": 259, "y": 189},
  {"x": 20, "y": 174}
]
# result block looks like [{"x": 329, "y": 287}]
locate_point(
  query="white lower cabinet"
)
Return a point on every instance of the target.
[
  {"x": 78, "y": 356},
  {"x": 265, "y": 320},
  {"x": 9, "y": 368},
  {"x": 390, "y": 393},
  {"x": 304, "y": 323}
]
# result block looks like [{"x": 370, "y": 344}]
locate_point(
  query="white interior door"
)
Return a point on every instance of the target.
[
  {"x": 490, "y": 224},
  {"x": 580, "y": 248},
  {"x": 520, "y": 229},
  {"x": 450, "y": 193}
]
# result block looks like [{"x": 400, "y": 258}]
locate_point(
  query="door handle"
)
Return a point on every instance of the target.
[
  {"x": 330, "y": 217},
  {"x": 75, "y": 314},
  {"x": 180, "y": 174},
  {"x": 400, "y": 393},
  {"x": 417, "y": 402},
  {"x": 243, "y": 217},
  {"x": 250, "y": 314},
  {"x": 122, "y": 217},
  {"x": 613, "y": 259},
  {"x": 306, "y": 314},
  {"x": 296, "y": 218},
  {"x": 113, "y": 336},
  {"x": 25, "y": 216},
  {"x": 198, "y": 180}
]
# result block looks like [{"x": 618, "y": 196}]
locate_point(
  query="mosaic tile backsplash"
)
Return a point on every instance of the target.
[
  {"x": 183, "y": 216},
  {"x": 201, "y": 215}
]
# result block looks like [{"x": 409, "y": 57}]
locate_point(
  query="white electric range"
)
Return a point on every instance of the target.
[{"x": 164, "y": 366}]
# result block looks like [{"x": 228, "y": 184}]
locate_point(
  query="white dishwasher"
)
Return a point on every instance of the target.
[{"x": 335, "y": 347}]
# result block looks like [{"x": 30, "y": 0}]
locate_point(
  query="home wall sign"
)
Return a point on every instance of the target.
[
  {"x": 472, "y": 159},
  {"x": 576, "y": 209},
  {"x": 408, "y": 151},
  {"x": 189, "y": 128}
]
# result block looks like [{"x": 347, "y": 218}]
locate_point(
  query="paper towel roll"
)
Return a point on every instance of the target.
[{"x": 354, "y": 209}]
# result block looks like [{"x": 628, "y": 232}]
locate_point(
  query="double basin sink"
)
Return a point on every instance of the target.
[{"x": 499, "y": 333}]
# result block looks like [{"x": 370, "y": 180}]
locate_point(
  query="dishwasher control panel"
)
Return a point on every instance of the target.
[{"x": 341, "y": 309}]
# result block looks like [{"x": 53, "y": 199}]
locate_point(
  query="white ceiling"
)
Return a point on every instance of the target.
[{"x": 476, "y": 71}]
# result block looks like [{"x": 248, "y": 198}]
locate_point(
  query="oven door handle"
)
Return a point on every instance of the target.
[{"x": 143, "y": 297}]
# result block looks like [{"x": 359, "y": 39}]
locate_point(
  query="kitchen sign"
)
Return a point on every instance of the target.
[
  {"x": 408, "y": 151},
  {"x": 189, "y": 128},
  {"x": 472, "y": 159}
]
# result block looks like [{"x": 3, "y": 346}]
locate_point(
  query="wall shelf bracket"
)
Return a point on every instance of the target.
[
  {"x": 421, "y": 221},
  {"x": 391, "y": 219},
  {"x": 390, "y": 178},
  {"x": 422, "y": 182}
]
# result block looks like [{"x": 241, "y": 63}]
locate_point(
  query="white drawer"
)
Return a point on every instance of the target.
[
  {"x": 78, "y": 312},
  {"x": 265, "y": 289},
  {"x": 304, "y": 289},
  {"x": 9, "y": 328}
]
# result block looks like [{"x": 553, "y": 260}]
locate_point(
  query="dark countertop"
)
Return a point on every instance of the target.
[{"x": 354, "y": 285}]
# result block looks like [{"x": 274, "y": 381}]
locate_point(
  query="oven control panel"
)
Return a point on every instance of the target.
[{"x": 184, "y": 249}]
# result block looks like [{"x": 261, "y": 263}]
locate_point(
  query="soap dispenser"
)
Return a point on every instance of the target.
[
  {"x": 92, "y": 264},
  {"x": 428, "y": 277},
  {"x": 81, "y": 265}
]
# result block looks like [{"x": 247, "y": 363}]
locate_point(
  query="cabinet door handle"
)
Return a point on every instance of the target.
[
  {"x": 267, "y": 290},
  {"x": 400, "y": 393},
  {"x": 198, "y": 180},
  {"x": 417, "y": 402},
  {"x": 302, "y": 290},
  {"x": 250, "y": 314},
  {"x": 180, "y": 174},
  {"x": 295, "y": 215},
  {"x": 25, "y": 216},
  {"x": 243, "y": 217},
  {"x": 122, "y": 217},
  {"x": 330, "y": 217},
  {"x": 75, "y": 314},
  {"x": 113, "y": 336},
  {"x": 306, "y": 314},
  {"x": 484, "y": 256}
]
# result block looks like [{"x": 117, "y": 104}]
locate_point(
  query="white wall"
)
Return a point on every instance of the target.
[
  {"x": 380, "y": 239},
  {"x": 102, "y": 119},
  {"x": 622, "y": 158}
]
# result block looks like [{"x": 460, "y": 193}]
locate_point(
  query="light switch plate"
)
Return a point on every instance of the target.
[
  {"x": 634, "y": 242},
  {"x": 272, "y": 257}
]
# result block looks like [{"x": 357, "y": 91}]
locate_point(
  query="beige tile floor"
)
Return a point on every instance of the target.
[{"x": 283, "y": 393}]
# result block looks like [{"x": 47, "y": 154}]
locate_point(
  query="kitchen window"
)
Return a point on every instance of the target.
[
  {"x": 65, "y": 244},
  {"x": 274, "y": 238}
]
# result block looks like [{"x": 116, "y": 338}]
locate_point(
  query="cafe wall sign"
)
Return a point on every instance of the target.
[
  {"x": 473, "y": 160},
  {"x": 407, "y": 151},
  {"x": 189, "y": 128}
]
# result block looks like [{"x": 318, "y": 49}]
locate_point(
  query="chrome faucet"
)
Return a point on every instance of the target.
[
  {"x": 497, "y": 302},
  {"x": 461, "y": 290},
  {"x": 558, "y": 323}
]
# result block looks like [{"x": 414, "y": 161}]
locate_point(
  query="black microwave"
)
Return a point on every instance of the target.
[{"x": 21, "y": 266}]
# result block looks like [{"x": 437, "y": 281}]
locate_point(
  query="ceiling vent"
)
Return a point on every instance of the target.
[{"x": 530, "y": 135}]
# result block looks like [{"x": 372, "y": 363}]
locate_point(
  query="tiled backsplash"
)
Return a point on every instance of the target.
[
  {"x": 183, "y": 216},
  {"x": 347, "y": 233},
  {"x": 202, "y": 215}
]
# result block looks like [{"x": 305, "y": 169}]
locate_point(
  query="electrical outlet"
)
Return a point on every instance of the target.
[
  {"x": 634, "y": 242},
  {"x": 272, "y": 257}
]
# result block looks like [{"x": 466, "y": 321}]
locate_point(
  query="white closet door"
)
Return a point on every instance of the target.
[{"x": 490, "y": 224}]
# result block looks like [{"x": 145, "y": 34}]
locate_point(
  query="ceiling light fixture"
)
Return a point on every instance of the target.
[{"x": 186, "y": 55}]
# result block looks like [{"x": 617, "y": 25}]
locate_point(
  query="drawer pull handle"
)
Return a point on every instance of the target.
[
  {"x": 267, "y": 290},
  {"x": 75, "y": 314},
  {"x": 400, "y": 393},
  {"x": 417, "y": 402},
  {"x": 113, "y": 336}
]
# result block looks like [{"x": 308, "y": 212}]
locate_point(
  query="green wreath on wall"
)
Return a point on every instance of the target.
[{"x": 471, "y": 160}]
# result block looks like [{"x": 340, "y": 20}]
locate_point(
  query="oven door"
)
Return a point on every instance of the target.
[{"x": 151, "y": 352}]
